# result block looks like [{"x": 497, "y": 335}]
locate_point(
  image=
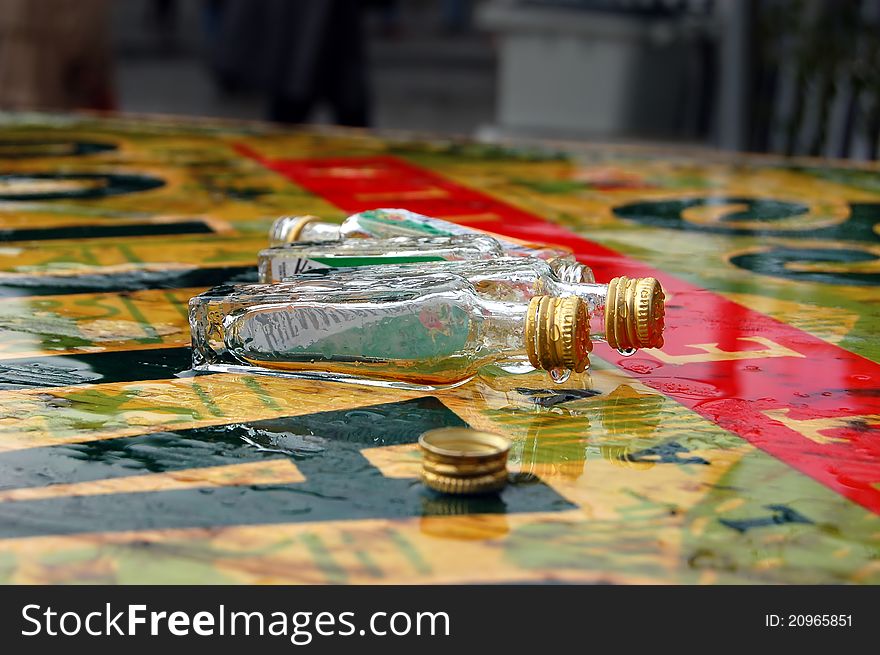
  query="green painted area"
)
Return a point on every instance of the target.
[
  {"x": 627, "y": 546},
  {"x": 39, "y": 326},
  {"x": 334, "y": 573},
  {"x": 363, "y": 557},
  {"x": 177, "y": 563},
  {"x": 8, "y": 565},
  {"x": 327, "y": 447},
  {"x": 207, "y": 401},
  {"x": 128, "y": 254},
  {"x": 91, "y": 410},
  {"x": 702, "y": 259},
  {"x": 552, "y": 186},
  {"x": 778, "y": 261},
  {"x": 265, "y": 397},
  {"x": 864, "y": 180},
  {"x": 94, "y": 185},
  {"x": 64, "y": 370},
  {"x": 767, "y": 522},
  {"x": 411, "y": 554}
]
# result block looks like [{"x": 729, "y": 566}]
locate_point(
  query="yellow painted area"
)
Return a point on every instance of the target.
[
  {"x": 94, "y": 322},
  {"x": 109, "y": 255},
  {"x": 730, "y": 505},
  {"x": 605, "y": 491},
  {"x": 712, "y": 353},
  {"x": 30, "y": 419},
  {"x": 403, "y": 461},
  {"x": 813, "y": 428},
  {"x": 829, "y": 323},
  {"x": 281, "y": 471},
  {"x": 437, "y": 549}
]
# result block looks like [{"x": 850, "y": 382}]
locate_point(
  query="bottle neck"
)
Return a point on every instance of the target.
[
  {"x": 594, "y": 296},
  {"x": 320, "y": 232},
  {"x": 503, "y": 326}
]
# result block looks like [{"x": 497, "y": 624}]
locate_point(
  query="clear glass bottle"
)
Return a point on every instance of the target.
[
  {"x": 384, "y": 223},
  {"x": 634, "y": 319},
  {"x": 434, "y": 331},
  {"x": 276, "y": 263}
]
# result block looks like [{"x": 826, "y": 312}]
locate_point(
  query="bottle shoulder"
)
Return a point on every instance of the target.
[{"x": 366, "y": 287}]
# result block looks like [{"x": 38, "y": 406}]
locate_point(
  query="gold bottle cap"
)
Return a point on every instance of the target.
[
  {"x": 482, "y": 484},
  {"x": 558, "y": 333},
  {"x": 463, "y": 461},
  {"x": 288, "y": 228},
  {"x": 634, "y": 313}
]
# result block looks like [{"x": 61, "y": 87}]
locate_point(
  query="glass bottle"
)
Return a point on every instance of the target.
[
  {"x": 634, "y": 319},
  {"x": 434, "y": 331},
  {"x": 383, "y": 223},
  {"x": 279, "y": 262}
]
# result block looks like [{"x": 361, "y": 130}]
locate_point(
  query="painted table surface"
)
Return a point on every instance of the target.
[{"x": 746, "y": 450}]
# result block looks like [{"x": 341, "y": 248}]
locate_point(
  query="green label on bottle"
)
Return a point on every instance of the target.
[
  {"x": 407, "y": 222},
  {"x": 284, "y": 267},
  {"x": 398, "y": 222},
  {"x": 373, "y": 260}
]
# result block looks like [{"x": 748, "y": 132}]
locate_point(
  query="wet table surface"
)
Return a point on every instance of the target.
[{"x": 746, "y": 450}]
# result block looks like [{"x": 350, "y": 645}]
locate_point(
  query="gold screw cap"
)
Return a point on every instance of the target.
[
  {"x": 558, "y": 333},
  {"x": 288, "y": 228},
  {"x": 634, "y": 312},
  {"x": 463, "y": 461}
]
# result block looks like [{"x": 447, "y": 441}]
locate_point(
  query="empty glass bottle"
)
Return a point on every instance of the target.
[
  {"x": 434, "y": 331},
  {"x": 383, "y": 223},
  {"x": 633, "y": 319},
  {"x": 279, "y": 262}
]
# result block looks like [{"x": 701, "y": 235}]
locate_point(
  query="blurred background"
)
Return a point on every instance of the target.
[{"x": 783, "y": 76}]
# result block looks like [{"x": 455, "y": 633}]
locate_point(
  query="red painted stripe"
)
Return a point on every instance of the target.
[{"x": 826, "y": 382}]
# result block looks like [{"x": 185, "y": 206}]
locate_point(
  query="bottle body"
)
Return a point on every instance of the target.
[
  {"x": 433, "y": 332},
  {"x": 384, "y": 223},
  {"x": 279, "y": 262},
  {"x": 509, "y": 279},
  {"x": 627, "y": 313}
]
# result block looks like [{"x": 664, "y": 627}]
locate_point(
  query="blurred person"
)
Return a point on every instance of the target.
[
  {"x": 302, "y": 53},
  {"x": 388, "y": 12},
  {"x": 456, "y": 16},
  {"x": 55, "y": 54},
  {"x": 162, "y": 16}
]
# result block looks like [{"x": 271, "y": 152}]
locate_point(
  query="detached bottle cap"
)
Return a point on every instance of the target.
[
  {"x": 288, "y": 228},
  {"x": 634, "y": 312},
  {"x": 558, "y": 333},
  {"x": 463, "y": 461}
]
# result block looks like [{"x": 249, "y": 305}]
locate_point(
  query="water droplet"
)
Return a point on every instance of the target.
[
  {"x": 560, "y": 375},
  {"x": 627, "y": 352}
]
